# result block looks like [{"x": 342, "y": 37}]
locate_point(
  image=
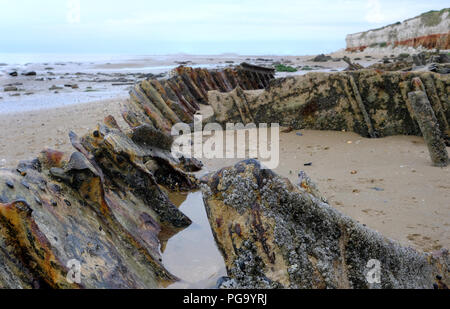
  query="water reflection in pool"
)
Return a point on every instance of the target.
[{"x": 192, "y": 254}]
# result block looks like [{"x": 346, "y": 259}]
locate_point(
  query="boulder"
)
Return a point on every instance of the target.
[
  {"x": 322, "y": 58},
  {"x": 54, "y": 87},
  {"x": 10, "y": 88}
]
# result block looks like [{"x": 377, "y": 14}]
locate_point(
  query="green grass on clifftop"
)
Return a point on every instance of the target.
[{"x": 433, "y": 18}]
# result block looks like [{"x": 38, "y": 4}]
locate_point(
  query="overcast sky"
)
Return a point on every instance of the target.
[{"x": 194, "y": 26}]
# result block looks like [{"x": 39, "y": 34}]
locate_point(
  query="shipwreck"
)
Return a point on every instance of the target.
[{"x": 107, "y": 206}]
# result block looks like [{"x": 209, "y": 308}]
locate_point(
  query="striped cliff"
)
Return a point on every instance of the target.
[{"x": 429, "y": 30}]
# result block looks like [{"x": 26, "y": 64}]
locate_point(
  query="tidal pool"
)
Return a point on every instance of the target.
[{"x": 192, "y": 254}]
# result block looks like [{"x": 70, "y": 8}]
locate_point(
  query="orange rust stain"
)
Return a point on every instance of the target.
[
  {"x": 219, "y": 222},
  {"x": 111, "y": 122},
  {"x": 417, "y": 83},
  {"x": 39, "y": 256},
  {"x": 93, "y": 190},
  {"x": 54, "y": 157}
]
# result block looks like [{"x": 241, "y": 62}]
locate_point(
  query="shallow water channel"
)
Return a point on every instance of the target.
[{"x": 192, "y": 254}]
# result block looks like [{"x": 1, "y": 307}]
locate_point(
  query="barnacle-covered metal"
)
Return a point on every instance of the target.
[{"x": 273, "y": 234}]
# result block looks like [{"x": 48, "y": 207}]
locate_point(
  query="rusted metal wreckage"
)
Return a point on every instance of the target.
[
  {"x": 372, "y": 103},
  {"x": 161, "y": 104},
  {"x": 106, "y": 204}
]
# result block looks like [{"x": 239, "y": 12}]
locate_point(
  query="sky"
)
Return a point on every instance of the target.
[{"x": 151, "y": 27}]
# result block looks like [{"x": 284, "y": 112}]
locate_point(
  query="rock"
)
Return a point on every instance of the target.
[
  {"x": 419, "y": 59},
  {"x": 442, "y": 58},
  {"x": 273, "y": 234},
  {"x": 54, "y": 87},
  {"x": 400, "y": 65},
  {"x": 73, "y": 86},
  {"x": 321, "y": 58},
  {"x": 439, "y": 68},
  {"x": 262, "y": 60},
  {"x": 10, "y": 88},
  {"x": 377, "y": 189},
  {"x": 10, "y": 184},
  {"x": 404, "y": 62}
]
